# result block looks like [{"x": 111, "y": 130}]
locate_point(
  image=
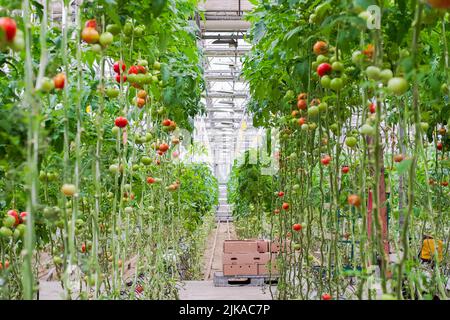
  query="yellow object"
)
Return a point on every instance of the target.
[
  {"x": 429, "y": 249},
  {"x": 88, "y": 109}
]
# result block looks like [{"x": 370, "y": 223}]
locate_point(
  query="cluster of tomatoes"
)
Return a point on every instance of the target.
[
  {"x": 169, "y": 125},
  {"x": 91, "y": 35},
  {"x": 285, "y": 206},
  {"x": 329, "y": 69},
  {"x": 10, "y": 36},
  {"x": 13, "y": 224},
  {"x": 47, "y": 85}
]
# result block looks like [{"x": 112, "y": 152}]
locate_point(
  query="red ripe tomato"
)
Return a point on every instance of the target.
[
  {"x": 142, "y": 69},
  {"x": 354, "y": 200},
  {"x": 320, "y": 47},
  {"x": 140, "y": 102},
  {"x": 166, "y": 122},
  {"x": 90, "y": 35},
  {"x": 9, "y": 28},
  {"x": 15, "y": 215},
  {"x": 345, "y": 169},
  {"x": 59, "y": 80},
  {"x": 6, "y": 264},
  {"x": 302, "y": 105},
  {"x": 92, "y": 23},
  {"x": 301, "y": 121},
  {"x": 444, "y": 183},
  {"x": 442, "y": 4},
  {"x": 398, "y": 158},
  {"x": 124, "y": 78},
  {"x": 294, "y": 114},
  {"x": 23, "y": 216},
  {"x": 439, "y": 146},
  {"x": 133, "y": 70},
  {"x": 326, "y": 160},
  {"x": 297, "y": 227},
  {"x": 372, "y": 107},
  {"x": 83, "y": 248},
  {"x": 121, "y": 122},
  {"x": 151, "y": 180},
  {"x": 117, "y": 67},
  {"x": 276, "y": 211},
  {"x": 281, "y": 194},
  {"x": 323, "y": 69},
  {"x": 163, "y": 147},
  {"x": 285, "y": 206},
  {"x": 326, "y": 296}
]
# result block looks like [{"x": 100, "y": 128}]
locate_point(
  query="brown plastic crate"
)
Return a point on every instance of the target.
[
  {"x": 240, "y": 270},
  {"x": 263, "y": 269},
  {"x": 240, "y": 246},
  {"x": 263, "y": 246}
]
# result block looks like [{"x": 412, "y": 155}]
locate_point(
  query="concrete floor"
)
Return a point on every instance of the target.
[{"x": 205, "y": 290}]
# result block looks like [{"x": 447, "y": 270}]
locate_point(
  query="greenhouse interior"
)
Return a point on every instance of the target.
[{"x": 224, "y": 150}]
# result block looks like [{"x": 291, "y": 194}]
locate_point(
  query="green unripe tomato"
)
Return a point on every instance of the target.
[
  {"x": 114, "y": 168},
  {"x": 373, "y": 72},
  {"x": 112, "y": 92},
  {"x": 6, "y": 232},
  {"x": 424, "y": 126},
  {"x": 312, "y": 126},
  {"x": 96, "y": 48},
  {"x": 386, "y": 75},
  {"x": 16, "y": 234},
  {"x": 139, "y": 31},
  {"x": 334, "y": 128},
  {"x": 313, "y": 111},
  {"x": 18, "y": 43},
  {"x": 128, "y": 29},
  {"x": 9, "y": 221},
  {"x": 47, "y": 85},
  {"x": 57, "y": 260},
  {"x": 148, "y": 137},
  {"x": 351, "y": 142},
  {"x": 146, "y": 160},
  {"x": 321, "y": 59},
  {"x": 397, "y": 86},
  {"x": 314, "y": 65},
  {"x": 106, "y": 39},
  {"x": 336, "y": 84},
  {"x": 367, "y": 129},
  {"x": 156, "y": 65},
  {"x": 323, "y": 106},
  {"x": 290, "y": 95},
  {"x": 325, "y": 81},
  {"x": 132, "y": 78},
  {"x": 114, "y": 29},
  {"x": 22, "y": 228},
  {"x": 338, "y": 66},
  {"x": 304, "y": 127},
  {"x": 115, "y": 130},
  {"x": 128, "y": 210}
]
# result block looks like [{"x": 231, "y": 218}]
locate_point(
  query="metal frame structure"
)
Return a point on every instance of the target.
[{"x": 222, "y": 34}]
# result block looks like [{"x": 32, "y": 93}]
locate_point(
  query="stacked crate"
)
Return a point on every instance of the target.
[{"x": 249, "y": 257}]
